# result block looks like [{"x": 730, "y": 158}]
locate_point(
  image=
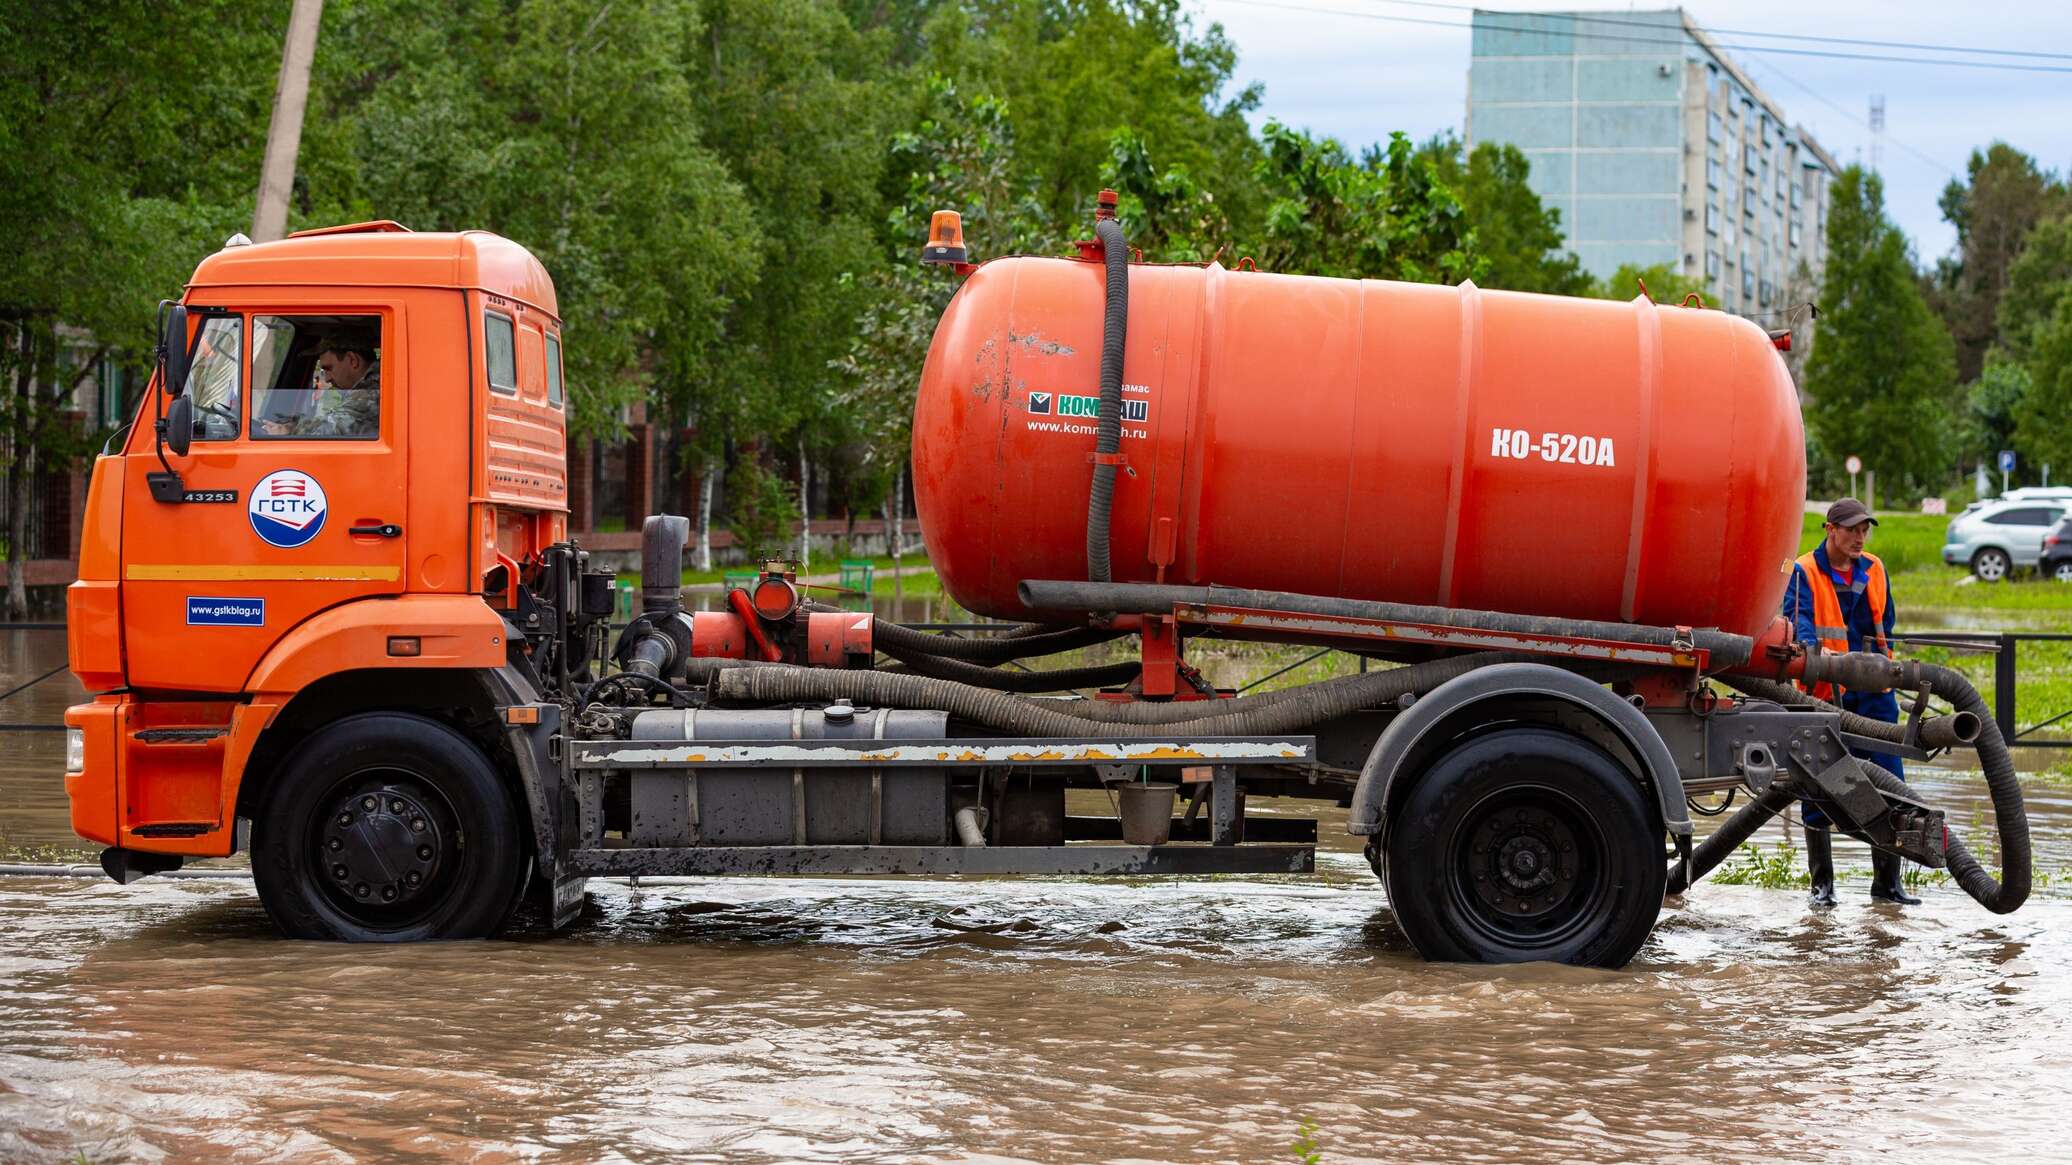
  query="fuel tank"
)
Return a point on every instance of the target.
[{"x": 1402, "y": 442}]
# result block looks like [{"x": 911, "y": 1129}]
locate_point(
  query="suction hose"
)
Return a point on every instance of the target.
[
  {"x": 1115, "y": 253},
  {"x": 1732, "y": 832},
  {"x": 901, "y": 642},
  {"x": 1002, "y": 680},
  {"x": 2010, "y": 819},
  {"x": 1302, "y": 707}
]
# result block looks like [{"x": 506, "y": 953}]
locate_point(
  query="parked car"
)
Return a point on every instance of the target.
[
  {"x": 2056, "y": 560},
  {"x": 2002, "y": 536}
]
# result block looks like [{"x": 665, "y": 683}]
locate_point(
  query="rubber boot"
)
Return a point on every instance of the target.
[
  {"x": 1820, "y": 862},
  {"x": 1886, "y": 884}
]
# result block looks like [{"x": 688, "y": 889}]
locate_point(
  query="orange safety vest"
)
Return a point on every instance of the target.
[{"x": 1827, "y": 612}]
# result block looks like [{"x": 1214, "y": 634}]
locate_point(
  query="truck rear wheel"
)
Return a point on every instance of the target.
[
  {"x": 387, "y": 827},
  {"x": 1526, "y": 844}
]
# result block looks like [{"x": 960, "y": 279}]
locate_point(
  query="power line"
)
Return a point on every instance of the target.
[
  {"x": 1661, "y": 43},
  {"x": 1809, "y": 91},
  {"x": 1795, "y": 36}
]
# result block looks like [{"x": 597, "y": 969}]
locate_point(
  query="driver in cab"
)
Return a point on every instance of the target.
[{"x": 348, "y": 394}]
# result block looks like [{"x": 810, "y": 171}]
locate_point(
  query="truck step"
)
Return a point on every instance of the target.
[{"x": 787, "y": 860}]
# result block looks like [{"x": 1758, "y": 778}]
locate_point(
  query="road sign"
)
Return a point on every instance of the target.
[
  {"x": 2007, "y": 461},
  {"x": 1854, "y": 465}
]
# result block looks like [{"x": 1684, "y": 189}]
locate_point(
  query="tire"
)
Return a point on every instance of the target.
[
  {"x": 1992, "y": 564},
  {"x": 2061, "y": 570},
  {"x": 387, "y": 827},
  {"x": 1503, "y": 817}
]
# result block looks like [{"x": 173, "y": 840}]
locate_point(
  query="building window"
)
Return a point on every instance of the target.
[
  {"x": 1715, "y": 129},
  {"x": 1711, "y": 221},
  {"x": 1712, "y": 172},
  {"x": 1794, "y": 232},
  {"x": 1712, "y": 264},
  {"x": 1747, "y": 279}
]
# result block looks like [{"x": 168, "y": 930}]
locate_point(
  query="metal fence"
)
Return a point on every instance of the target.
[{"x": 2006, "y": 648}]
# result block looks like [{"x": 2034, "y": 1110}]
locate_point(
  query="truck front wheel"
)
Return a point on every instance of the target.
[
  {"x": 1526, "y": 844},
  {"x": 387, "y": 827}
]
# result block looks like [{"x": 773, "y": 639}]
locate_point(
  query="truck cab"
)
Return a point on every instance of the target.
[{"x": 373, "y": 442}]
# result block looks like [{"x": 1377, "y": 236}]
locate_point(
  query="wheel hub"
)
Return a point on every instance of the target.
[
  {"x": 1524, "y": 861},
  {"x": 381, "y": 846}
]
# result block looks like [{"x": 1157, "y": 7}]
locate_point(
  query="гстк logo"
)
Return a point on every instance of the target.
[{"x": 287, "y": 508}]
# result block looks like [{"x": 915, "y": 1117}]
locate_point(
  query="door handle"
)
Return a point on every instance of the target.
[{"x": 384, "y": 530}]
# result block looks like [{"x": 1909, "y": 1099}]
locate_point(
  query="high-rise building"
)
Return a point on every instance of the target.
[{"x": 1656, "y": 148}]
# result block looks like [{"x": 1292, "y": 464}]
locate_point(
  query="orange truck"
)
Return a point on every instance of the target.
[{"x": 330, "y": 614}]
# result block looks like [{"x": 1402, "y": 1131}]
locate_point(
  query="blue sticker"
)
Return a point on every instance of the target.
[
  {"x": 207, "y": 612},
  {"x": 287, "y": 508}
]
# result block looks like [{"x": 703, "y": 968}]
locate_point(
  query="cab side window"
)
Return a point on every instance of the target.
[
  {"x": 215, "y": 378},
  {"x": 317, "y": 378},
  {"x": 500, "y": 352},
  {"x": 554, "y": 370}
]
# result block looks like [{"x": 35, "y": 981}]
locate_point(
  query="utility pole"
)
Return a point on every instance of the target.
[
  {"x": 1877, "y": 131},
  {"x": 284, "y": 132}
]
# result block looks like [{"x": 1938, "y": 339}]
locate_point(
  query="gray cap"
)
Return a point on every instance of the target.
[{"x": 1848, "y": 512}]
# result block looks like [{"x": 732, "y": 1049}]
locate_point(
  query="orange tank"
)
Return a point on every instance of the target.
[{"x": 1402, "y": 442}]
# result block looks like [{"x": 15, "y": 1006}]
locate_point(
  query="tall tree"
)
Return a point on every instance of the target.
[
  {"x": 1385, "y": 215},
  {"x": 2001, "y": 199},
  {"x": 2038, "y": 279},
  {"x": 2043, "y": 415},
  {"x": 125, "y": 156},
  {"x": 1519, "y": 235},
  {"x": 1880, "y": 377},
  {"x": 539, "y": 119}
]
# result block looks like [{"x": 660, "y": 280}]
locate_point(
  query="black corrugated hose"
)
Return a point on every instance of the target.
[
  {"x": 1731, "y": 833},
  {"x": 2010, "y": 819},
  {"x": 898, "y": 642},
  {"x": 1115, "y": 251},
  {"x": 1003, "y": 680},
  {"x": 1297, "y": 709}
]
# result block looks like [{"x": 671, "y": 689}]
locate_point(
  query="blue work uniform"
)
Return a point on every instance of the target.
[{"x": 1850, "y": 587}]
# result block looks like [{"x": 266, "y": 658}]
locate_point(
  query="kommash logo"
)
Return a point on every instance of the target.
[
  {"x": 1053, "y": 404},
  {"x": 287, "y": 508}
]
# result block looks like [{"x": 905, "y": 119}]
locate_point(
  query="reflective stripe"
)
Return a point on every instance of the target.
[{"x": 1828, "y": 626}]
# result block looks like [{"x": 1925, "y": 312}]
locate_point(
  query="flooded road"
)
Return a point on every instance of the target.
[{"x": 1016, "y": 1020}]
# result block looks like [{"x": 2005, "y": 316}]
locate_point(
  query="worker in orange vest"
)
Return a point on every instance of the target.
[{"x": 1841, "y": 601}]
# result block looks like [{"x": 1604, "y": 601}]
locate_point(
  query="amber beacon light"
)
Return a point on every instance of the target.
[{"x": 945, "y": 240}]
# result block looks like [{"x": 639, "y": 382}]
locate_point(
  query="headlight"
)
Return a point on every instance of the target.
[{"x": 75, "y": 750}]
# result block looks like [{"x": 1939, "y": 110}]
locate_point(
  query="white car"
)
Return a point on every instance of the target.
[{"x": 1996, "y": 537}]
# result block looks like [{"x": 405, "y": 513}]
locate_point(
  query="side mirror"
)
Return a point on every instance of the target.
[
  {"x": 172, "y": 354},
  {"x": 179, "y": 424}
]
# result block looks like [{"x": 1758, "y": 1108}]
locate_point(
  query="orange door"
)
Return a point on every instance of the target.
[{"x": 294, "y": 491}]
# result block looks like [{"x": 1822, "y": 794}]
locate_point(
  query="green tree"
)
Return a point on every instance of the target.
[
  {"x": 1993, "y": 405},
  {"x": 2037, "y": 281},
  {"x": 1385, "y": 215},
  {"x": 1073, "y": 74},
  {"x": 540, "y": 120},
  {"x": 797, "y": 106},
  {"x": 126, "y": 154},
  {"x": 1880, "y": 377},
  {"x": 2001, "y": 199},
  {"x": 2043, "y": 416},
  {"x": 1519, "y": 235}
]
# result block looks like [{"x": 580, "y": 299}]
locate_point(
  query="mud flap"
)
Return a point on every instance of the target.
[{"x": 566, "y": 894}]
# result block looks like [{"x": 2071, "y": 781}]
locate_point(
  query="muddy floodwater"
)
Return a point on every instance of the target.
[{"x": 1016, "y": 1020}]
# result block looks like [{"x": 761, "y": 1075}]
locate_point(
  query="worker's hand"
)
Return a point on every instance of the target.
[{"x": 274, "y": 428}]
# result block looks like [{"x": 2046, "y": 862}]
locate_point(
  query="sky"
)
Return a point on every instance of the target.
[{"x": 1337, "y": 72}]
